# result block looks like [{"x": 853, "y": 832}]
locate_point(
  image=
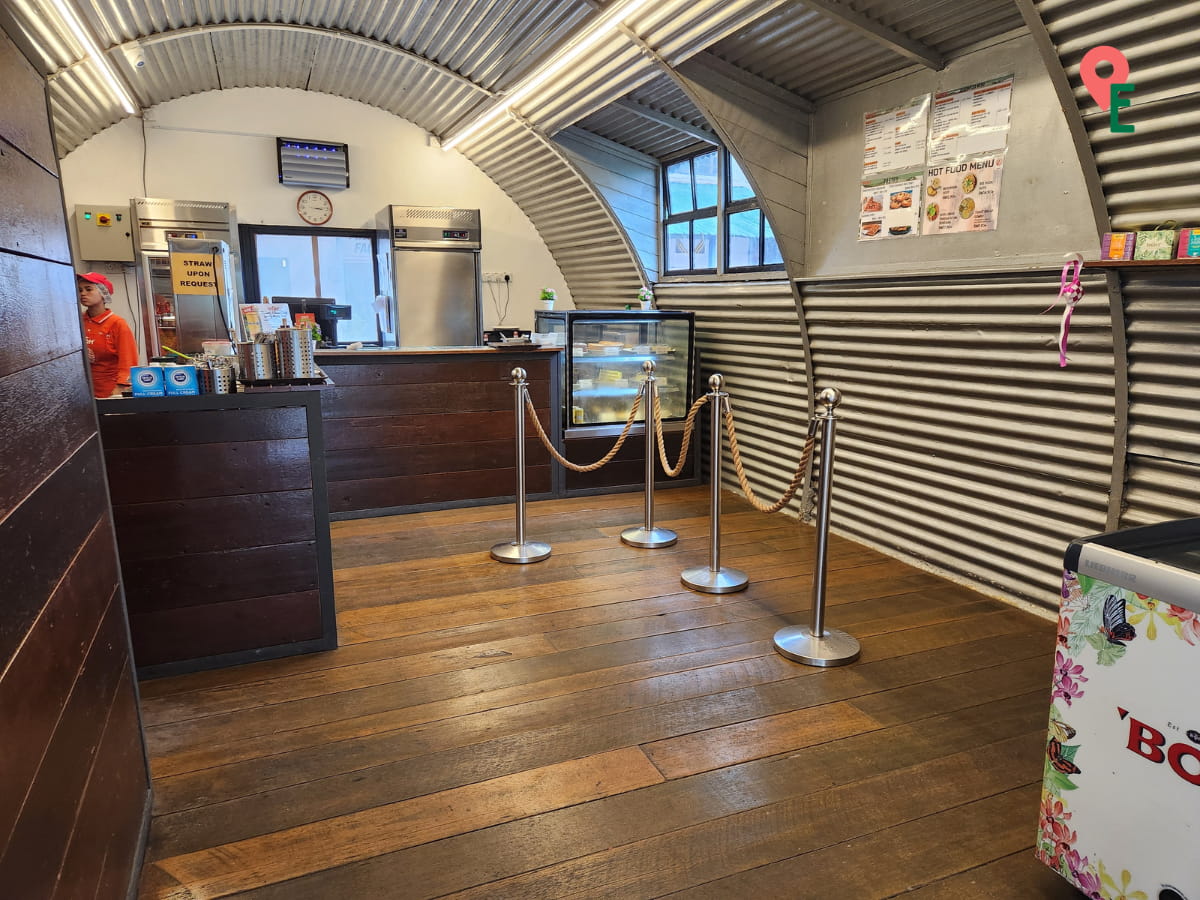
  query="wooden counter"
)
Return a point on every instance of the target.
[
  {"x": 220, "y": 509},
  {"x": 419, "y": 429}
]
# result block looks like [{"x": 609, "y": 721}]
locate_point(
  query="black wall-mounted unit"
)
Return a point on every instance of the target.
[{"x": 315, "y": 163}]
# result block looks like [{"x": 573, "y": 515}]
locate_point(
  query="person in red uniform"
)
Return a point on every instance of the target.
[{"x": 110, "y": 346}]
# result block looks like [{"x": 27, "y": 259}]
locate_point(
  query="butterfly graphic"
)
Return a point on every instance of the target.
[
  {"x": 1060, "y": 762},
  {"x": 1061, "y": 730},
  {"x": 1115, "y": 627}
]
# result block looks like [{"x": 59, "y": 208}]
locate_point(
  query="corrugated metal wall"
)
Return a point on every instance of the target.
[
  {"x": 1162, "y": 315},
  {"x": 750, "y": 333},
  {"x": 963, "y": 445},
  {"x": 1148, "y": 177},
  {"x": 593, "y": 252},
  {"x": 628, "y": 181}
]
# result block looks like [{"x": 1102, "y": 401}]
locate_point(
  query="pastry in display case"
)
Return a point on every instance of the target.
[{"x": 604, "y": 355}]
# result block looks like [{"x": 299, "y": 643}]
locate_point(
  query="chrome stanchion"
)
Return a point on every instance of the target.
[
  {"x": 520, "y": 550},
  {"x": 818, "y": 645},
  {"x": 712, "y": 579},
  {"x": 646, "y": 536}
]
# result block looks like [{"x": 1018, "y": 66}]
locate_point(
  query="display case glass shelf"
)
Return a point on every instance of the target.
[{"x": 604, "y": 355}]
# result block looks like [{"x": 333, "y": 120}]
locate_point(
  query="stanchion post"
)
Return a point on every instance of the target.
[
  {"x": 713, "y": 579},
  {"x": 521, "y": 550},
  {"x": 818, "y": 645},
  {"x": 646, "y": 536}
]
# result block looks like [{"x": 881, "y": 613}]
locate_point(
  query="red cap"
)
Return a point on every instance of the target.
[{"x": 96, "y": 278}]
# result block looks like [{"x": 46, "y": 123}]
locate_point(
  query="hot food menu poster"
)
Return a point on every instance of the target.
[
  {"x": 959, "y": 147},
  {"x": 890, "y": 207}
]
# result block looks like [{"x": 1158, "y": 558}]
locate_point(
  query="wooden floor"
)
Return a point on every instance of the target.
[{"x": 585, "y": 727}]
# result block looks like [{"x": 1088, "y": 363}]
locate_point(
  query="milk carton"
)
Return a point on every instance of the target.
[
  {"x": 146, "y": 381},
  {"x": 181, "y": 381}
]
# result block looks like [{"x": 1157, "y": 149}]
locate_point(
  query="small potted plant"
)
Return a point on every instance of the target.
[
  {"x": 548, "y": 297},
  {"x": 646, "y": 298}
]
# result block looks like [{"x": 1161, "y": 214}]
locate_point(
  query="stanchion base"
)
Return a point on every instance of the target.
[
  {"x": 705, "y": 580},
  {"x": 528, "y": 552},
  {"x": 648, "y": 538},
  {"x": 833, "y": 648}
]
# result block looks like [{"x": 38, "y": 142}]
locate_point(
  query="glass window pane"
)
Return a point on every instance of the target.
[
  {"x": 704, "y": 243},
  {"x": 285, "y": 266},
  {"x": 679, "y": 187},
  {"x": 771, "y": 253},
  {"x": 348, "y": 276},
  {"x": 739, "y": 185},
  {"x": 678, "y": 257},
  {"x": 743, "y": 238},
  {"x": 706, "y": 179}
]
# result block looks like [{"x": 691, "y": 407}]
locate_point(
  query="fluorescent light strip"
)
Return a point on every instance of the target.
[
  {"x": 600, "y": 28},
  {"x": 73, "y": 23}
]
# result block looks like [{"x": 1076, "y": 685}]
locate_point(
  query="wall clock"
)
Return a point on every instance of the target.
[{"x": 314, "y": 207}]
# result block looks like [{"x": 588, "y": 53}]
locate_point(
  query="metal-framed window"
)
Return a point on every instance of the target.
[
  {"x": 713, "y": 222},
  {"x": 332, "y": 263}
]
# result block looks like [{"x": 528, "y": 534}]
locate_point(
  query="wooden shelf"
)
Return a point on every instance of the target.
[{"x": 1139, "y": 263}]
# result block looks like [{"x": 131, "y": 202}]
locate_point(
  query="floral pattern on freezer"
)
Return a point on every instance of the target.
[{"x": 1096, "y": 622}]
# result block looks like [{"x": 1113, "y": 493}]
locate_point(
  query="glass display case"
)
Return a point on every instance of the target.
[{"x": 602, "y": 367}]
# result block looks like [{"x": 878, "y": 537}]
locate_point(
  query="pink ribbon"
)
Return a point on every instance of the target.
[{"x": 1070, "y": 292}]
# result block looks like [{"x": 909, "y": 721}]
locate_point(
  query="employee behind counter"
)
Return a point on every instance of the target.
[{"x": 111, "y": 349}]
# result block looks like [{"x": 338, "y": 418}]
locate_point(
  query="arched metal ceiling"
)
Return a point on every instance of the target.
[{"x": 439, "y": 63}]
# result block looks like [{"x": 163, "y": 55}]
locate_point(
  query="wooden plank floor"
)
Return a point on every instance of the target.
[{"x": 585, "y": 727}]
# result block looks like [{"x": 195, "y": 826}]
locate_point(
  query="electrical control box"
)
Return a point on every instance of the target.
[{"x": 105, "y": 233}]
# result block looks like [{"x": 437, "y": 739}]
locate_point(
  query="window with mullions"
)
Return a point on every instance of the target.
[
  {"x": 700, "y": 192},
  {"x": 335, "y": 264}
]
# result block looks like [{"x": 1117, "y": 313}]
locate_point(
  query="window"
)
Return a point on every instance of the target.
[
  {"x": 698, "y": 193},
  {"x": 334, "y": 263}
]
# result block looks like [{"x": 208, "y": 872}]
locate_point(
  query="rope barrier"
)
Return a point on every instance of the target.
[
  {"x": 797, "y": 479},
  {"x": 688, "y": 425},
  {"x": 637, "y": 402}
]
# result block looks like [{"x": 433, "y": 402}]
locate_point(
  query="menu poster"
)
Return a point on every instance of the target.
[
  {"x": 895, "y": 138},
  {"x": 970, "y": 120},
  {"x": 890, "y": 207},
  {"x": 963, "y": 196},
  {"x": 264, "y": 318}
]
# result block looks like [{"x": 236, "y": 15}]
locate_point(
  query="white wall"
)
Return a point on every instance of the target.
[{"x": 220, "y": 145}]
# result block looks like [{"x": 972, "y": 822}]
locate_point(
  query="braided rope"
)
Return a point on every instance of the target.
[
  {"x": 566, "y": 462},
  {"x": 688, "y": 426},
  {"x": 797, "y": 479}
]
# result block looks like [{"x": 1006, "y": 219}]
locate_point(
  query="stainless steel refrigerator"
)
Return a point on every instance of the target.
[
  {"x": 429, "y": 261},
  {"x": 182, "y": 321}
]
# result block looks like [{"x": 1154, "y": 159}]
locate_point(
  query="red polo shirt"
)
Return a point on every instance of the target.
[{"x": 111, "y": 351}]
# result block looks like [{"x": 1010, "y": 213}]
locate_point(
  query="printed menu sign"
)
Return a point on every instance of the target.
[
  {"x": 895, "y": 138},
  {"x": 963, "y": 196},
  {"x": 970, "y": 120},
  {"x": 264, "y": 318},
  {"x": 890, "y": 207}
]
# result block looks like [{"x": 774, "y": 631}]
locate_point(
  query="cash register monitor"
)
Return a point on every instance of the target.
[{"x": 326, "y": 310}]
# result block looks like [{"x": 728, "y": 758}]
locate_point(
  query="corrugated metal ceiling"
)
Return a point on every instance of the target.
[
  {"x": 809, "y": 53},
  {"x": 439, "y": 62}
]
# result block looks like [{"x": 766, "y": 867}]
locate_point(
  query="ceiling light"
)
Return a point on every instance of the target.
[
  {"x": 75, "y": 26},
  {"x": 607, "y": 23}
]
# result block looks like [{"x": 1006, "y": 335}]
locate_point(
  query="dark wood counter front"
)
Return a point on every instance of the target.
[
  {"x": 220, "y": 509},
  {"x": 408, "y": 430}
]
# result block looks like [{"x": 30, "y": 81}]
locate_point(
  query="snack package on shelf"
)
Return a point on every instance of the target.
[
  {"x": 1118, "y": 245},
  {"x": 1189, "y": 243},
  {"x": 1155, "y": 244}
]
